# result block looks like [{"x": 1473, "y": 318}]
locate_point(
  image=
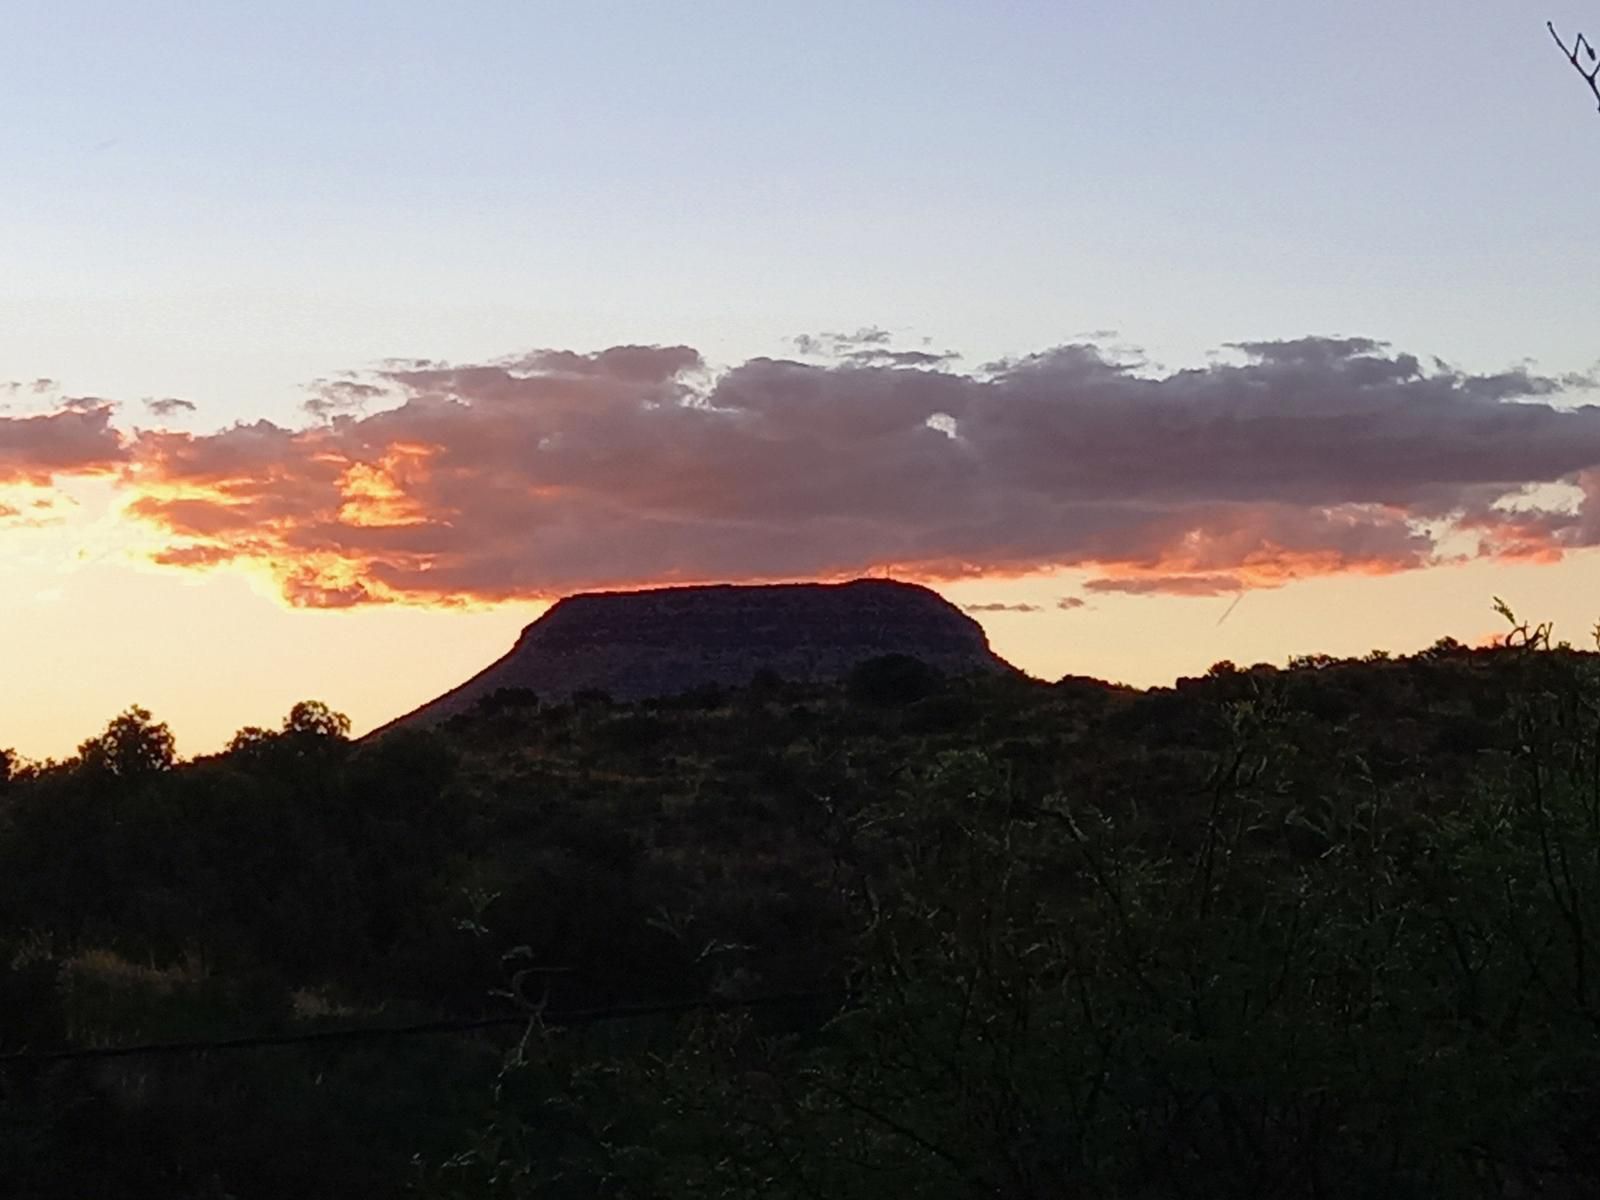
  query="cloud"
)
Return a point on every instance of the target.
[
  {"x": 27, "y": 508},
  {"x": 1068, "y": 603},
  {"x": 836, "y": 345},
  {"x": 29, "y": 387},
  {"x": 557, "y": 471},
  {"x": 880, "y": 357},
  {"x": 869, "y": 346},
  {"x": 998, "y": 607},
  {"x": 78, "y": 440},
  {"x": 1171, "y": 585},
  {"x": 330, "y": 397},
  {"x": 169, "y": 406},
  {"x": 87, "y": 404}
]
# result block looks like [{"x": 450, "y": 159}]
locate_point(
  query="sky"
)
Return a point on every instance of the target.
[{"x": 336, "y": 340}]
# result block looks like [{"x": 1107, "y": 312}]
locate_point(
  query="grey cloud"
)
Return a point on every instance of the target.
[
  {"x": 36, "y": 387},
  {"x": 838, "y": 345},
  {"x": 866, "y": 335},
  {"x": 332, "y": 397},
  {"x": 168, "y": 406},
  {"x": 1318, "y": 351},
  {"x": 73, "y": 441},
  {"x": 636, "y": 364},
  {"x": 1170, "y": 585},
  {"x": 999, "y": 607},
  {"x": 87, "y": 404},
  {"x": 879, "y": 357}
]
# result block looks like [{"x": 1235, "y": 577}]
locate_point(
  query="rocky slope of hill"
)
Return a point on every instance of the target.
[{"x": 634, "y": 645}]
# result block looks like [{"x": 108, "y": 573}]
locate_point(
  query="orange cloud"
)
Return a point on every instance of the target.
[
  {"x": 557, "y": 471},
  {"x": 375, "y": 494}
]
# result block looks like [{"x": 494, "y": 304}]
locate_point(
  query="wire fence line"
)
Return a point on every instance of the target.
[{"x": 366, "y": 1033}]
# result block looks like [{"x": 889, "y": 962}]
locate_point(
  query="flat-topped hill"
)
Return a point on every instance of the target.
[{"x": 660, "y": 642}]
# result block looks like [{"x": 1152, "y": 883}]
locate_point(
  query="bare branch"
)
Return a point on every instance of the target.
[{"x": 1581, "y": 45}]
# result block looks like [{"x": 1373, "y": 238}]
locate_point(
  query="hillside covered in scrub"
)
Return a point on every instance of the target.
[{"x": 1324, "y": 931}]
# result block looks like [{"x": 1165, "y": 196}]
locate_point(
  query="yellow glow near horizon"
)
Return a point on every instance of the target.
[{"x": 92, "y": 626}]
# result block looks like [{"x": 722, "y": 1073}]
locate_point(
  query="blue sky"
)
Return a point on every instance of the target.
[{"x": 222, "y": 202}]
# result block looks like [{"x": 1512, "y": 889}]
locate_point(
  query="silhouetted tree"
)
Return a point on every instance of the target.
[
  {"x": 133, "y": 747},
  {"x": 251, "y": 737},
  {"x": 314, "y": 718}
]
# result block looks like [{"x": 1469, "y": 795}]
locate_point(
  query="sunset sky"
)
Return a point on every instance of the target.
[{"x": 337, "y": 339}]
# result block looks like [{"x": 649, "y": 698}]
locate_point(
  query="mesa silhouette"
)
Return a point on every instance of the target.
[{"x": 665, "y": 641}]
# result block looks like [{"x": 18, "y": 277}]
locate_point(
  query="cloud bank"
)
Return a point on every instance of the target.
[
  {"x": 560, "y": 471},
  {"x": 78, "y": 439}
]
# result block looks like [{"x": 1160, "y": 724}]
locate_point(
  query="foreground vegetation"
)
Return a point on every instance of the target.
[{"x": 1330, "y": 931}]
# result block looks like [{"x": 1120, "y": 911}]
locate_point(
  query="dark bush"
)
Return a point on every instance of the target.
[{"x": 892, "y": 681}]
